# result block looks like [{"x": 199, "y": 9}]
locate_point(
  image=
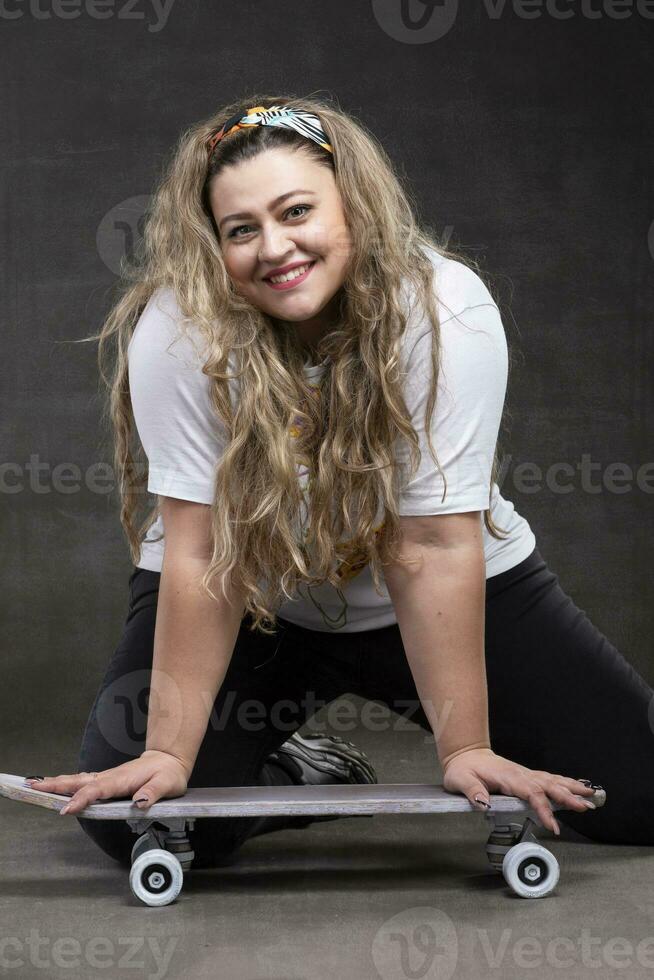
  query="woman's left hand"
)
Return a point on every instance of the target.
[{"x": 479, "y": 772}]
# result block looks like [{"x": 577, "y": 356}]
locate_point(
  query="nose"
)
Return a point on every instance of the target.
[{"x": 275, "y": 246}]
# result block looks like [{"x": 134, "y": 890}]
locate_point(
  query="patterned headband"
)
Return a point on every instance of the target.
[{"x": 305, "y": 123}]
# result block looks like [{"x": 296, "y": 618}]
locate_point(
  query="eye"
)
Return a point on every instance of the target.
[
  {"x": 295, "y": 207},
  {"x": 306, "y": 207},
  {"x": 233, "y": 234}
]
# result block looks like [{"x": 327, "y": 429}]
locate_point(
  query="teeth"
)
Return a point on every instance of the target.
[{"x": 293, "y": 274}]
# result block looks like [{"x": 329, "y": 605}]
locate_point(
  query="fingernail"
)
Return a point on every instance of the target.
[
  {"x": 586, "y": 782},
  {"x": 557, "y": 829},
  {"x": 483, "y": 802},
  {"x": 590, "y": 804},
  {"x": 34, "y": 777},
  {"x": 64, "y": 809},
  {"x": 143, "y": 799},
  {"x": 596, "y": 786}
]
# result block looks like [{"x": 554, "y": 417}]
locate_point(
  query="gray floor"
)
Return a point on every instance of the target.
[{"x": 357, "y": 898}]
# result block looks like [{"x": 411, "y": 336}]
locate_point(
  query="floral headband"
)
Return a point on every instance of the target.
[{"x": 305, "y": 123}]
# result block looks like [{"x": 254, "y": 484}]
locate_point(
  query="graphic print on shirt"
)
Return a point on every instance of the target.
[{"x": 351, "y": 558}]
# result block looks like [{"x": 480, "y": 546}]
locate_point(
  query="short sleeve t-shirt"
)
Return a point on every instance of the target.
[{"x": 184, "y": 439}]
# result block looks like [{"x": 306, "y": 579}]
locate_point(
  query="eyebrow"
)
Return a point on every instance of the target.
[{"x": 273, "y": 204}]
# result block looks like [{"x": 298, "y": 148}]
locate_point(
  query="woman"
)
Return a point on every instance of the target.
[{"x": 279, "y": 238}]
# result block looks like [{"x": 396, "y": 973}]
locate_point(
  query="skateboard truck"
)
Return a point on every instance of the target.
[{"x": 160, "y": 857}]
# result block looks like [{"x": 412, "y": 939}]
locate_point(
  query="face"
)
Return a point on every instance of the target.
[{"x": 283, "y": 209}]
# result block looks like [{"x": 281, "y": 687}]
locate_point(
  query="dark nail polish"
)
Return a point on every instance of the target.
[
  {"x": 594, "y": 786},
  {"x": 586, "y": 782},
  {"x": 143, "y": 799},
  {"x": 35, "y": 777}
]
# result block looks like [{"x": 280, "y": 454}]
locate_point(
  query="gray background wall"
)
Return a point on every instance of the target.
[{"x": 526, "y": 137}]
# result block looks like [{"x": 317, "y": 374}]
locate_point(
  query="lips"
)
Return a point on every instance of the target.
[
  {"x": 288, "y": 268},
  {"x": 289, "y": 284}
]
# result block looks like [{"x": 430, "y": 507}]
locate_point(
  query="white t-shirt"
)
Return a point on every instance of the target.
[{"x": 183, "y": 438}]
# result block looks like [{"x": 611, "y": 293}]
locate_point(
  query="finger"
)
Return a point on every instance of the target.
[
  {"x": 149, "y": 793},
  {"x": 95, "y": 789},
  {"x": 64, "y": 785},
  {"x": 577, "y": 786},
  {"x": 538, "y": 801},
  {"x": 580, "y": 787},
  {"x": 478, "y": 795},
  {"x": 567, "y": 797}
]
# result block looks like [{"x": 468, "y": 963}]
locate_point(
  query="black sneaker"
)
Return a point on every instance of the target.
[{"x": 320, "y": 760}]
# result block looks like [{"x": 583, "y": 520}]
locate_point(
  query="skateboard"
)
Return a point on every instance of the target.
[{"x": 162, "y": 852}]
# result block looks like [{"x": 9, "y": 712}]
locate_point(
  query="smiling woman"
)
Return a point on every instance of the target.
[
  {"x": 291, "y": 257},
  {"x": 285, "y": 487}
]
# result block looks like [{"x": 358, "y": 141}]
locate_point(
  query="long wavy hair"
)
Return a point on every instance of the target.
[{"x": 350, "y": 424}]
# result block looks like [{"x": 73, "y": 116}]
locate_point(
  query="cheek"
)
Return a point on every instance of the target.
[
  {"x": 339, "y": 245},
  {"x": 237, "y": 266}
]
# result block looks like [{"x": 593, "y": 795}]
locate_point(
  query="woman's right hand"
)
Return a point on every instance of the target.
[{"x": 151, "y": 777}]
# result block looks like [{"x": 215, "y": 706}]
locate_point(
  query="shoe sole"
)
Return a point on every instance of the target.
[{"x": 308, "y": 749}]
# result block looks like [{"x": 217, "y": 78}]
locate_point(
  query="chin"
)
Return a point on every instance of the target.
[{"x": 299, "y": 314}]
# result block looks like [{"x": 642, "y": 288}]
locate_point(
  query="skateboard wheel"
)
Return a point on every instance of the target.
[
  {"x": 500, "y": 841},
  {"x": 530, "y": 870},
  {"x": 156, "y": 877}
]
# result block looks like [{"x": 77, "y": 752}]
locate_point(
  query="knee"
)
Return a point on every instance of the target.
[
  {"x": 114, "y": 837},
  {"x": 216, "y": 842},
  {"x": 624, "y": 819}
]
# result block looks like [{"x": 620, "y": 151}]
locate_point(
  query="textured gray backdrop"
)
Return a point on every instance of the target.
[{"x": 525, "y": 131}]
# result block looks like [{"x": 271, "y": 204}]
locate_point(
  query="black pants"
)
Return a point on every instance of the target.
[{"x": 561, "y": 698}]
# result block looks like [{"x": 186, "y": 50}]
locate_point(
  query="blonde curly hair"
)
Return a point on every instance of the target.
[{"x": 349, "y": 424}]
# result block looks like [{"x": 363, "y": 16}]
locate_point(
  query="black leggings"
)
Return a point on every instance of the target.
[{"x": 561, "y": 698}]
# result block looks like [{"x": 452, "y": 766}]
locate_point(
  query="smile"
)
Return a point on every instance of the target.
[{"x": 292, "y": 278}]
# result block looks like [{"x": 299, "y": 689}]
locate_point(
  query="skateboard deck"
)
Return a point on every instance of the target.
[
  {"x": 247, "y": 801},
  {"x": 163, "y": 852}
]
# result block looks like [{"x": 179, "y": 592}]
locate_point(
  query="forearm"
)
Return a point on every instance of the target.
[
  {"x": 193, "y": 644},
  {"x": 440, "y": 609}
]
